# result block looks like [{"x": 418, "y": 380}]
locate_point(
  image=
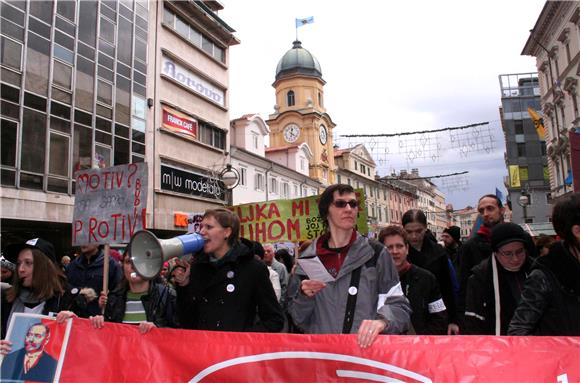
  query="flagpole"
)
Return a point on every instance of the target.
[{"x": 296, "y": 26}]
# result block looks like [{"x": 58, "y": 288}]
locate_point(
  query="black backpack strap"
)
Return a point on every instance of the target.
[
  {"x": 351, "y": 301},
  {"x": 354, "y": 282}
]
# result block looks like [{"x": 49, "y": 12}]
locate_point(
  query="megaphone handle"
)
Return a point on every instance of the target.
[{"x": 105, "y": 274}]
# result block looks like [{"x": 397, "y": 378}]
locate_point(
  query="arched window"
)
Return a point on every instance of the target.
[{"x": 290, "y": 98}]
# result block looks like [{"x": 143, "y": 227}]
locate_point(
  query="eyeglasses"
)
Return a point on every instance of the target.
[
  {"x": 353, "y": 203},
  {"x": 512, "y": 254}
]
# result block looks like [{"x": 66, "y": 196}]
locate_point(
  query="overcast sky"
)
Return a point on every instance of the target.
[{"x": 392, "y": 67}]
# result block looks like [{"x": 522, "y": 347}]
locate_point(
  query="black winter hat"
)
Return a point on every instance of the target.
[
  {"x": 43, "y": 245},
  {"x": 454, "y": 232},
  {"x": 504, "y": 233}
]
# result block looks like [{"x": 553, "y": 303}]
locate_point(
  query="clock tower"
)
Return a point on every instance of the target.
[{"x": 299, "y": 114}]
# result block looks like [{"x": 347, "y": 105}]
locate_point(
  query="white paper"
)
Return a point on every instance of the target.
[{"x": 315, "y": 269}]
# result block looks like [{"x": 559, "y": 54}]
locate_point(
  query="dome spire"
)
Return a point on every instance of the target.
[{"x": 298, "y": 61}]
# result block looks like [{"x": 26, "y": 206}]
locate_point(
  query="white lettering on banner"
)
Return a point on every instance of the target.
[
  {"x": 192, "y": 81},
  {"x": 321, "y": 356},
  {"x": 436, "y": 306},
  {"x": 178, "y": 121}
]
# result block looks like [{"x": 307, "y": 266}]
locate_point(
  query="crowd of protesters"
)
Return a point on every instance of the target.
[{"x": 499, "y": 282}]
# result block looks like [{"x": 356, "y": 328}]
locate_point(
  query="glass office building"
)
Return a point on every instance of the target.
[{"x": 73, "y": 90}]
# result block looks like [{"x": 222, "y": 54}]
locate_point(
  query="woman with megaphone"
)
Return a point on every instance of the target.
[{"x": 224, "y": 287}]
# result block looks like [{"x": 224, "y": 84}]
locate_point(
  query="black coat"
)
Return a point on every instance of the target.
[
  {"x": 228, "y": 294},
  {"x": 433, "y": 258},
  {"x": 471, "y": 254},
  {"x": 81, "y": 274},
  {"x": 550, "y": 303},
  {"x": 429, "y": 317},
  {"x": 480, "y": 300},
  {"x": 159, "y": 305}
]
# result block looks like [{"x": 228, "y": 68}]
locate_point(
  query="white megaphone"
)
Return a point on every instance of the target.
[{"x": 149, "y": 252}]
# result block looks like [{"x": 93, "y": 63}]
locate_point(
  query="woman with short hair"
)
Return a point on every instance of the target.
[{"x": 225, "y": 287}]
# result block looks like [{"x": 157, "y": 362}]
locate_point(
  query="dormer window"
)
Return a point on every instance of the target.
[{"x": 290, "y": 99}]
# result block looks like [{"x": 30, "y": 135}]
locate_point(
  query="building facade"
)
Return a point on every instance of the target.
[
  {"x": 87, "y": 84},
  {"x": 528, "y": 183},
  {"x": 189, "y": 136},
  {"x": 555, "y": 43},
  {"x": 268, "y": 174},
  {"x": 356, "y": 167}
]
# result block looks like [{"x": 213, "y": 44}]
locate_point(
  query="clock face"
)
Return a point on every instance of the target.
[
  {"x": 291, "y": 133},
  {"x": 322, "y": 134}
]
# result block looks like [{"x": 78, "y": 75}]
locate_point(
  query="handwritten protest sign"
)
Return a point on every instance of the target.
[
  {"x": 110, "y": 204},
  {"x": 288, "y": 220}
]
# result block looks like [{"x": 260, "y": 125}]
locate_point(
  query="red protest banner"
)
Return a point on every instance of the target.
[
  {"x": 168, "y": 355},
  {"x": 110, "y": 204}
]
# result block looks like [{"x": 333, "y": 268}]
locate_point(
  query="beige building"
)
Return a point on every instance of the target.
[
  {"x": 300, "y": 115},
  {"x": 189, "y": 66},
  {"x": 555, "y": 43}
]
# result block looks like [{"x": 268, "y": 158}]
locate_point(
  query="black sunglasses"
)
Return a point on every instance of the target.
[{"x": 353, "y": 203}]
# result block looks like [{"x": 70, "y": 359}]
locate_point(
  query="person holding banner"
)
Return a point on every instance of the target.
[
  {"x": 225, "y": 287},
  {"x": 39, "y": 285},
  {"x": 138, "y": 301},
  {"x": 356, "y": 289}
]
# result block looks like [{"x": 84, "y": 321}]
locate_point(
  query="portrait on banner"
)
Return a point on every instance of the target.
[{"x": 38, "y": 345}]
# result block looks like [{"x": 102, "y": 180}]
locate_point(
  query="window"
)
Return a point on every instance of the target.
[
  {"x": 8, "y": 137},
  {"x": 259, "y": 182},
  {"x": 285, "y": 190},
  {"x": 519, "y": 126},
  {"x": 10, "y": 53},
  {"x": 362, "y": 168},
  {"x": 338, "y": 178},
  {"x": 243, "y": 176},
  {"x": 355, "y": 165},
  {"x": 37, "y": 64},
  {"x": 320, "y": 99},
  {"x": 254, "y": 140},
  {"x": 59, "y": 149},
  {"x": 521, "y": 150},
  {"x": 34, "y": 134},
  {"x": 290, "y": 98},
  {"x": 302, "y": 164},
  {"x": 295, "y": 190},
  {"x": 189, "y": 33},
  {"x": 273, "y": 185}
]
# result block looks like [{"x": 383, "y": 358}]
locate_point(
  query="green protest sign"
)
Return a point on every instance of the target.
[{"x": 287, "y": 220}]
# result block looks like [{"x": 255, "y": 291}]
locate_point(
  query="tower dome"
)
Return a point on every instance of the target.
[{"x": 298, "y": 61}]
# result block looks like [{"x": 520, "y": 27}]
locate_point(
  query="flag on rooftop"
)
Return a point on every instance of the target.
[{"x": 304, "y": 21}]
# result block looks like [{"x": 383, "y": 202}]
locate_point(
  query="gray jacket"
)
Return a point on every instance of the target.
[{"x": 379, "y": 294}]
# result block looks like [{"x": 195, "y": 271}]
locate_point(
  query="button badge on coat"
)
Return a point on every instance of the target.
[
  {"x": 352, "y": 290},
  {"x": 230, "y": 274},
  {"x": 230, "y": 288}
]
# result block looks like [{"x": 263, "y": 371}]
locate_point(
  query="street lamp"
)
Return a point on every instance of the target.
[
  {"x": 524, "y": 202},
  {"x": 230, "y": 177}
]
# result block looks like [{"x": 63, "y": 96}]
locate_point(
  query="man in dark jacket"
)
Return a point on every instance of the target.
[
  {"x": 495, "y": 285},
  {"x": 478, "y": 247},
  {"x": 550, "y": 303},
  {"x": 85, "y": 273},
  {"x": 429, "y": 315}
]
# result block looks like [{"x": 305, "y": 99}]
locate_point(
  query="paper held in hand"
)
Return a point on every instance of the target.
[{"x": 315, "y": 269}]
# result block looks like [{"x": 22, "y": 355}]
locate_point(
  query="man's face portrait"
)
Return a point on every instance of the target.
[{"x": 36, "y": 338}]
